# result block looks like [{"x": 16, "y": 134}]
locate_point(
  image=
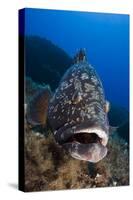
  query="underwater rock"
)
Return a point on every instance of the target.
[
  {"x": 119, "y": 116},
  {"x": 38, "y": 63},
  {"x": 123, "y": 131}
]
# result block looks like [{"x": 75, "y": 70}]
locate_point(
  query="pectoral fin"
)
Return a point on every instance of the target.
[
  {"x": 107, "y": 107},
  {"x": 113, "y": 129},
  {"x": 38, "y": 106}
]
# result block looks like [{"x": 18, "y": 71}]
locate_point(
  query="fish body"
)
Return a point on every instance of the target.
[{"x": 77, "y": 112}]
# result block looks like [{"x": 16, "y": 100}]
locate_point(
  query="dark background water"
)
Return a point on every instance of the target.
[{"x": 105, "y": 37}]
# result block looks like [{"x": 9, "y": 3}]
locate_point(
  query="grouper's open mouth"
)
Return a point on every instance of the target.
[{"x": 87, "y": 144}]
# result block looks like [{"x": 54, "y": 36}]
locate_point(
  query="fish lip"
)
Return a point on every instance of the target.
[
  {"x": 62, "y": 135},
  {"x": 98, "y": 131},
  {"x": 92, "y": 152}
]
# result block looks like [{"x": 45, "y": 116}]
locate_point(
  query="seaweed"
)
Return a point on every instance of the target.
[{"x": 49, "y": 167}]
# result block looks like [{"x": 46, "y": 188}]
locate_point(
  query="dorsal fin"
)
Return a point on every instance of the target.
[{"x": 80, "y": 56}]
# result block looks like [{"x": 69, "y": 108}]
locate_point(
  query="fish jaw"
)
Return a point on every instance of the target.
[
  {"x": 87, "y": 144},
  {"x": 93, "y": 152}
]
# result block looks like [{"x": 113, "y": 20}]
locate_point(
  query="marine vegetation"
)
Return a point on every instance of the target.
[{"x": 50, "y": 167}]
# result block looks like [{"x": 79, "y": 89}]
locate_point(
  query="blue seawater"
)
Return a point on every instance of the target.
[{"x": 105, "y": 37}]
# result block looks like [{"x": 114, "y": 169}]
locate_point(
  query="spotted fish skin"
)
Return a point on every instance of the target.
[
  {"x": 78, "y": 99},
  {"x": 79, "y": 104}
]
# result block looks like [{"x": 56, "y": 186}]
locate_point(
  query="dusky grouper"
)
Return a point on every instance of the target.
[{"x": 76, "y": 112}]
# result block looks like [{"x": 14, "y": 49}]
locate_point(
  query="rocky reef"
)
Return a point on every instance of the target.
[
  {"x": 119, "y": 117},
  {"x": 49, "y": 167},
  {"x": 45, "y": 60}
]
